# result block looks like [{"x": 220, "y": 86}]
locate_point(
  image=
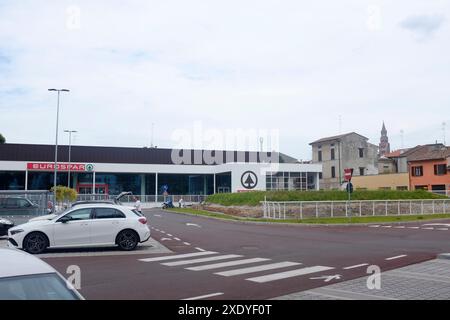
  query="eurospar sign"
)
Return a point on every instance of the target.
[{"x": 50, "y": 166}]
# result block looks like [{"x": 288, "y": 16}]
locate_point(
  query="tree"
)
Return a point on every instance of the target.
[
  {"x": 2, "y": 139},
  {"x": 65, "y": 194}
]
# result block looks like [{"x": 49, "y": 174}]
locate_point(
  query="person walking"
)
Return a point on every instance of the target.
[{"x": 137, "y": 204}]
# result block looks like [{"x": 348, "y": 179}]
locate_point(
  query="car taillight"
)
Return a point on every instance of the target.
[{"x": 143, "y": 220}]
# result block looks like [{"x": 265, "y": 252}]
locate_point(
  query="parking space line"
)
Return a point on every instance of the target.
[
  {"x": 205, "y": 296},
  {"x": 193, "y": 261},
  {"x": 187, "y": 243},
  {"x": 429, "y": 228},
  {"x": 178, "y": 239},
  {"x": 226, "y": 264},
  {"x": 178, "y": 256},
  {"x": 396, "y": 257},
  {"x": 289, "y": 274},
  {"x": 199, "y": 249},
  {"x": 413, "y": 227},
  {"x": 356, "y": 266},
  {"x": 265, "y": 267},
  {"x": 442, "y": 229}
]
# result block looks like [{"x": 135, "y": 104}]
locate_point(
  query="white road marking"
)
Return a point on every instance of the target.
[
  {"x": 178, "y": 256},
  {"x": 400, "y": 227},
  {"x": 289, "y": 274},
  {"x": 356, "y": 266},
  {"x": 437, "y": 224},
  {"x": 443, "y": 229},
  {"x": 163, "y": 231},
  {"x": 386, "y": 226},
  {"x": 374, "y": 226},
  {"x": 192, "y": 261},
  {"x": 178, "y": 239},
  {"x": 157, "y": 229},
  {"x": 205, "y": 296},
  {"x": 431, "y": 228},
  {"x": 200, "y": 249},
  {"x": 226, "y": 264},
  {"x": 193, "y": 224},
  {"x": 271, "y": 266},
  {"x": 396, "y": 257},
  {"x": 165, "y": 239},
  {"x": 187, "y": 243},
  {"x": 328, "y": 278},
  {"x": 157, "y": 215},
  {"x": 413, "y": 227},
  {"x": 169, "y": 235}
]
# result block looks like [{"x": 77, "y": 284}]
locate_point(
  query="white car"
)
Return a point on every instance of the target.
[
  {"x": 87, "y": 225},
  {"x": 25, "y": 277}
]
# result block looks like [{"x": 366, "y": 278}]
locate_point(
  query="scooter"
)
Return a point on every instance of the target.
[{"x": 168, "y": 204}]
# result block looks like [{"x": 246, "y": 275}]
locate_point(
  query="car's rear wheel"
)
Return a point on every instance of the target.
[
  {"x": 35, "y": 243},
  {"x": 127, "y": 240}
]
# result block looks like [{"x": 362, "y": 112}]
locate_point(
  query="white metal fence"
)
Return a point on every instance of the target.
[{"x": 355, "y": 208}]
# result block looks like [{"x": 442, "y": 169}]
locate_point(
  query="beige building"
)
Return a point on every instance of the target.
[
  {"x": 350, "y": 150},
  {"x": 391, "y": 181}
]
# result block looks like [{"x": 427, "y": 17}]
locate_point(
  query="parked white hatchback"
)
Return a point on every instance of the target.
[{"x": 87, "y": 225}]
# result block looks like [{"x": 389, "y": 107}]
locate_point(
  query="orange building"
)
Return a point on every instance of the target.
[{"x": 428, "y": 168}]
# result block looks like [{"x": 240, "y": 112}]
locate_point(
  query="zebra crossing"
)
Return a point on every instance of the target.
[{"x": 214, "y": 261}]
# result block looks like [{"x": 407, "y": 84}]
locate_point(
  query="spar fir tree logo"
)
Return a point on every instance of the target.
[{"x": 249, "y": 180}]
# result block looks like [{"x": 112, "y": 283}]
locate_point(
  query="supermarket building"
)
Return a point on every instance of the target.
[{"x": 152, "y": 171}]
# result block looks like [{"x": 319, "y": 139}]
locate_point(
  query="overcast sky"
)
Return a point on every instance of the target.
[{"x": 292, "y": 66}]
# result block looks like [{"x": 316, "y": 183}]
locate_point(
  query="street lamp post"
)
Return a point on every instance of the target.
[
  {"x": 70, "y": 147},
  {"x": 56, "y": 142}
]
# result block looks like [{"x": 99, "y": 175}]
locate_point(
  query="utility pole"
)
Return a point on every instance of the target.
[
  {"x": 56, "y": 140},
  {"x": 70, "y": 147}
]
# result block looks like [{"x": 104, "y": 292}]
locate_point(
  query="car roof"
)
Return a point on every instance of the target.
[
  {"x": 98, "y": 205},
  {"x": 19, "y": 263}
]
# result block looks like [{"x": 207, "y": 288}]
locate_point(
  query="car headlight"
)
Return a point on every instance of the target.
[
  {"x": 16, "y": 231},
  {"x": 4, "y": 221}
]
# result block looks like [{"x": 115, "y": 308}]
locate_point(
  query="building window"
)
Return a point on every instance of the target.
[
  {"x": 361, "y": 152},
  {"x": 332, "y": 154},
  {"x": 333, "y": 172},
  {"x": 319, "y": 155},
  {"x": 417, "y": 171},
  {"x": 440, "y": 169},
  {"x": 361, "y": 171},
  {"x": 402, "y": 188},
  {"x": 320, "y": 175},
  {"x": 421, "y": 187}
]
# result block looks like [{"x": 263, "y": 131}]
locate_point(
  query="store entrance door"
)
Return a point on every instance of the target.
[{"x": 83, "y": 188}]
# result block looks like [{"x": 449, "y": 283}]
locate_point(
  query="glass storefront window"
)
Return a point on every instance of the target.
[
  {"x": 12, "y": 180},
  {"x": 44, "y": 180}
]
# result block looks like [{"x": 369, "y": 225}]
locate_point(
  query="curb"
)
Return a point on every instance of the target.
[{"x": 445, "y": 256}]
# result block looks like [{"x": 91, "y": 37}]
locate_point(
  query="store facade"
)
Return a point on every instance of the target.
[{"x": 151, "y": 171}]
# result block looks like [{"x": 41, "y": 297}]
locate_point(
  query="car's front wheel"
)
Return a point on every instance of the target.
[
  {"x": 127, "y": 240},
  {"x": 35, "y": 243}
]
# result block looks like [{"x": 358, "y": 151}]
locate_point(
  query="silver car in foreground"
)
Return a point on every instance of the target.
[{"x": 26, "y": 277}]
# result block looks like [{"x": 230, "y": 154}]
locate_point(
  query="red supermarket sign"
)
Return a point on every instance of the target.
[{"x": 50, "y": 166}]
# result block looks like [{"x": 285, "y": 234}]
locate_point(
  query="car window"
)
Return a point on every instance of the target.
[
  {"x": 11, "y": 203},
  {"x": 108, "y": 213},
  {"x": 35, "y": 287},
  {"x": 81, "y": 214},
  {"x": 137, "y": 213},
  {"x": 23, "y": 203}
]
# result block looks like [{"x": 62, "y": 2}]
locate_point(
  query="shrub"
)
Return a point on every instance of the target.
[
  {"x": 253, "y": 198},
  {"x": 65, "y": 194}
]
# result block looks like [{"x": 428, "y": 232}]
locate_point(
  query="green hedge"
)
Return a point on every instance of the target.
[{"x": 253, "y": 198}]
